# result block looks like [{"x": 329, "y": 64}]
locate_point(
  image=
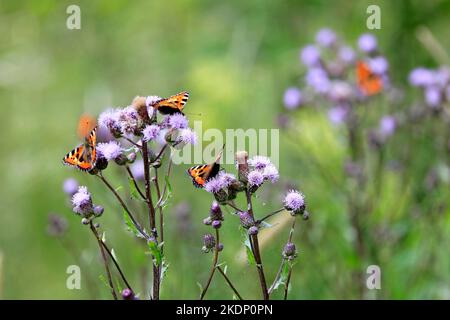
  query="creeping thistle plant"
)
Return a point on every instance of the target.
[
  {"x": 225, "y": 187},
  {"x": 138, "y": 140}
]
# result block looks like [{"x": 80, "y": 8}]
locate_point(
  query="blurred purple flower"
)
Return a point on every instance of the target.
[
  {"x": 110, "y": 150},
  {"x": 292, "y": 98},
  {"x": 442, "y": 77},
  {"x": 255, "y": 178},
  {"x": 326, "y": 37},
  {"x": 340, "y": 91},
  {"x": 187, "y": 136},
  {"x": 270, "y": 173},
  {"x": 338, "y": 114},
  {"x": 346, "y": 54},
  {"x": 57, "y": 225},
  {"x": 387, "y": 126},
  {"x": 367, "y": 43},
  {"x": 421, "y": 77},
  {"x": 379, "y": 65},
  {"x": 137, "y": 169},
  {"x": 317, "y": 78},
  {"x": 310, "y": 56},
  {"x": 70, "y": 186},
  {"x": 150, "y": 132},
  {"x": 433, "y": 96}
]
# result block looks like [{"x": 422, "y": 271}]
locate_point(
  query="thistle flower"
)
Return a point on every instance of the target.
[
  {"x": 310, "y": 56},
  {"x": 127, "y": 294},
  {"x": 227, "y": 178},
  {"x": 178, "y": 121},
  {"x": 209, "y": 242},
  {"x": 150, "y": 132},
  {"x": 433, "y": 96},
  {"x": 98, "y": 211},
  {"x": 318, "y": 79},
  {"x": 186, "y": 136},
  {"x": 346, "y": 55},
  {"x": 367, "y": 43},
  {"x": 214, "y": 185},
  {"x": 294, "y": 202},
  {"x": 338, "y": 114},
  {"x": 259, "y": 162},
  {"x": 57, "y": 225},
  {"x": 387, "y": 126},
  {"x": 220, "y": 246},
  {"x": 255, "y": 178},
  {"x": 292, "y": 98},
  {"x": 82, "y": 202},
  {"x": 326, "y": 38},
  {"x": 379, "y": 65},
  {"x": 246, "y": 219},
  {"x": 129, "y": 120},
  {"x": 271, "y": 173},
  {"x": 340, "y": 91},
  {"x": 110, "y": 150},
  {"x": 289, "y": 251},
  {"x": 70, "y": 186},
  {"x": 110, "y": 119},
  {"x": 216, "y": 224},
  {"x": 421, "y": 77}
]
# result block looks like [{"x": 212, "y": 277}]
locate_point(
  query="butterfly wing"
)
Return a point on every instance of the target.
[
  {"x": 85, "y": 125},
  {"x": 173, "y": 104},
  {"x": 85, "y": 155},
  {"x": 202, "y": 173},
  {"x": 368, "y": 82}
]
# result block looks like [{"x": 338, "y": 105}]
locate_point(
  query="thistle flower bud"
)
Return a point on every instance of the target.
[
  {"x": 209, "y": 242},
  {"x": 289, "y": 251},
  {"x": 207, "y": 221},
  {"x": 220, "y": 247},
  {"x": 216, "y": 212},
  {"x": 131, "y": 157},
  {"x": 247, "y": 220},
  {"x": 253, "y": 230},
  {"x": 101, "y": 163},
  {"x": 305, "y": 215},
  {"x": 216, "y": 224},
  {"x": 98, "y": 211},
  {"x": 121, "y": 159},
  {"x": 85, "y": 221},
  {"x": 242, "y": 164},
  {"x": 127, "y": 294}
]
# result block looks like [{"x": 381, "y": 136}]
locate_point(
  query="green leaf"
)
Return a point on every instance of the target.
[
  {"x": 283, "y": 276},
  {"x": 250, "y": 257},
  {"x": 156, "y": 252},
  {"x": 200, "y": 287},
  {"x": 169, "y": 192},
  {"x": 133, "y": 190},
  {"x": 264, "y": 224},
  {"x": 130, "y": 226},
  {"x": 104, "y": 281},
  {"x": 164, "y": 268}
]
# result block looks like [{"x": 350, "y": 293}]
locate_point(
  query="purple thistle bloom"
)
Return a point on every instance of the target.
[
  {"x": 340, "y": 91},
  {"x": 214, "y": 185},
  {"x": 442, "y": 77},
  {"x": 128, "y": 120},
  {"x": 421, "y": 77},
  {"x": 220, "y": 247},
  {"x": 292, "y": 98},
  {"x": 433, "y": 96},
  {"x": 151, "y": 132},
  {"x": 271, "y": 173},
  {"x": 318, "y": 79},
  {"x": 346, "y": 55},
  {"x": 338, "y": 114},
  {"x": 216, "y": 212},
  {"x": 379, "y": 65},
  {"x": 259, "y": 162},
  {"x": 246, "y": 219},
  {"x": 110, "y": 119},
  {"x": 127, "y": 294},
  {"x": 367, "y": 43},
  {"x": 151, "y": 100},
  {"x": 98, "y": 211},
  {"x": 209, "y": 241},
  {"x": 227, "y": 178},
  {"x": 387, "y": 126},
  {"x": 310, "y": 56},
  {"x": 161, "y": 139},
  {"x": 110, "y": 150},
  {"x": 294, "y": 201},
  {"x": 255, "y": 178},
  {"x": 326, "y": 38},
  {"x": 82, "y": 201},
  {"x": 289, "y": 250},
  {"x": 70, "y": 186},
  {"x": 187, "y": 136},
  {"x": 216, "y": 224},
  {"x": 178, "y": 121}
]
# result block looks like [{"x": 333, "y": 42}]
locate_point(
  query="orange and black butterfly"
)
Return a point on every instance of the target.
[
  {"x": 202, "y": 173},
  {"x": 84, "y": 156},
  {"x": 368, "y": 82},
  {"x": 173, "y": 104}
]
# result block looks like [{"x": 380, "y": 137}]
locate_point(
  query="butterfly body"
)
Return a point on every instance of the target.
[
  {"x": 200, "y": 174},
  {"x": 173, "y": 104},
  {"x": 84, "y": 156},
  {"x": 368, "y": 82}
]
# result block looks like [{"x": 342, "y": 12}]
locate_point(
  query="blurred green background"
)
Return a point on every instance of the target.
[{"x": 235, "y": 58}]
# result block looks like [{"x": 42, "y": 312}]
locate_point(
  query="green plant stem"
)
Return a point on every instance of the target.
[
  {"x": 229, "y": 283},
  {"x": 213, "y": 267},
  {"x": 130, "y": 174}
]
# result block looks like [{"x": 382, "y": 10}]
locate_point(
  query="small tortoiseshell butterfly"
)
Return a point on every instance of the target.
[
  {"x": 85, "y": 155},
  {"x": 173, "y": 104},
  {"x": 368, "y": 82},
  {"x": 202, "y": 173}
]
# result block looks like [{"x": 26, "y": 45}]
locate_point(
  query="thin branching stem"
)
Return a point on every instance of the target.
[
  {"x": 130, "y": 174},
  {"x": 229, "y": 283},
  {"x": 213, "y": 267}
]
